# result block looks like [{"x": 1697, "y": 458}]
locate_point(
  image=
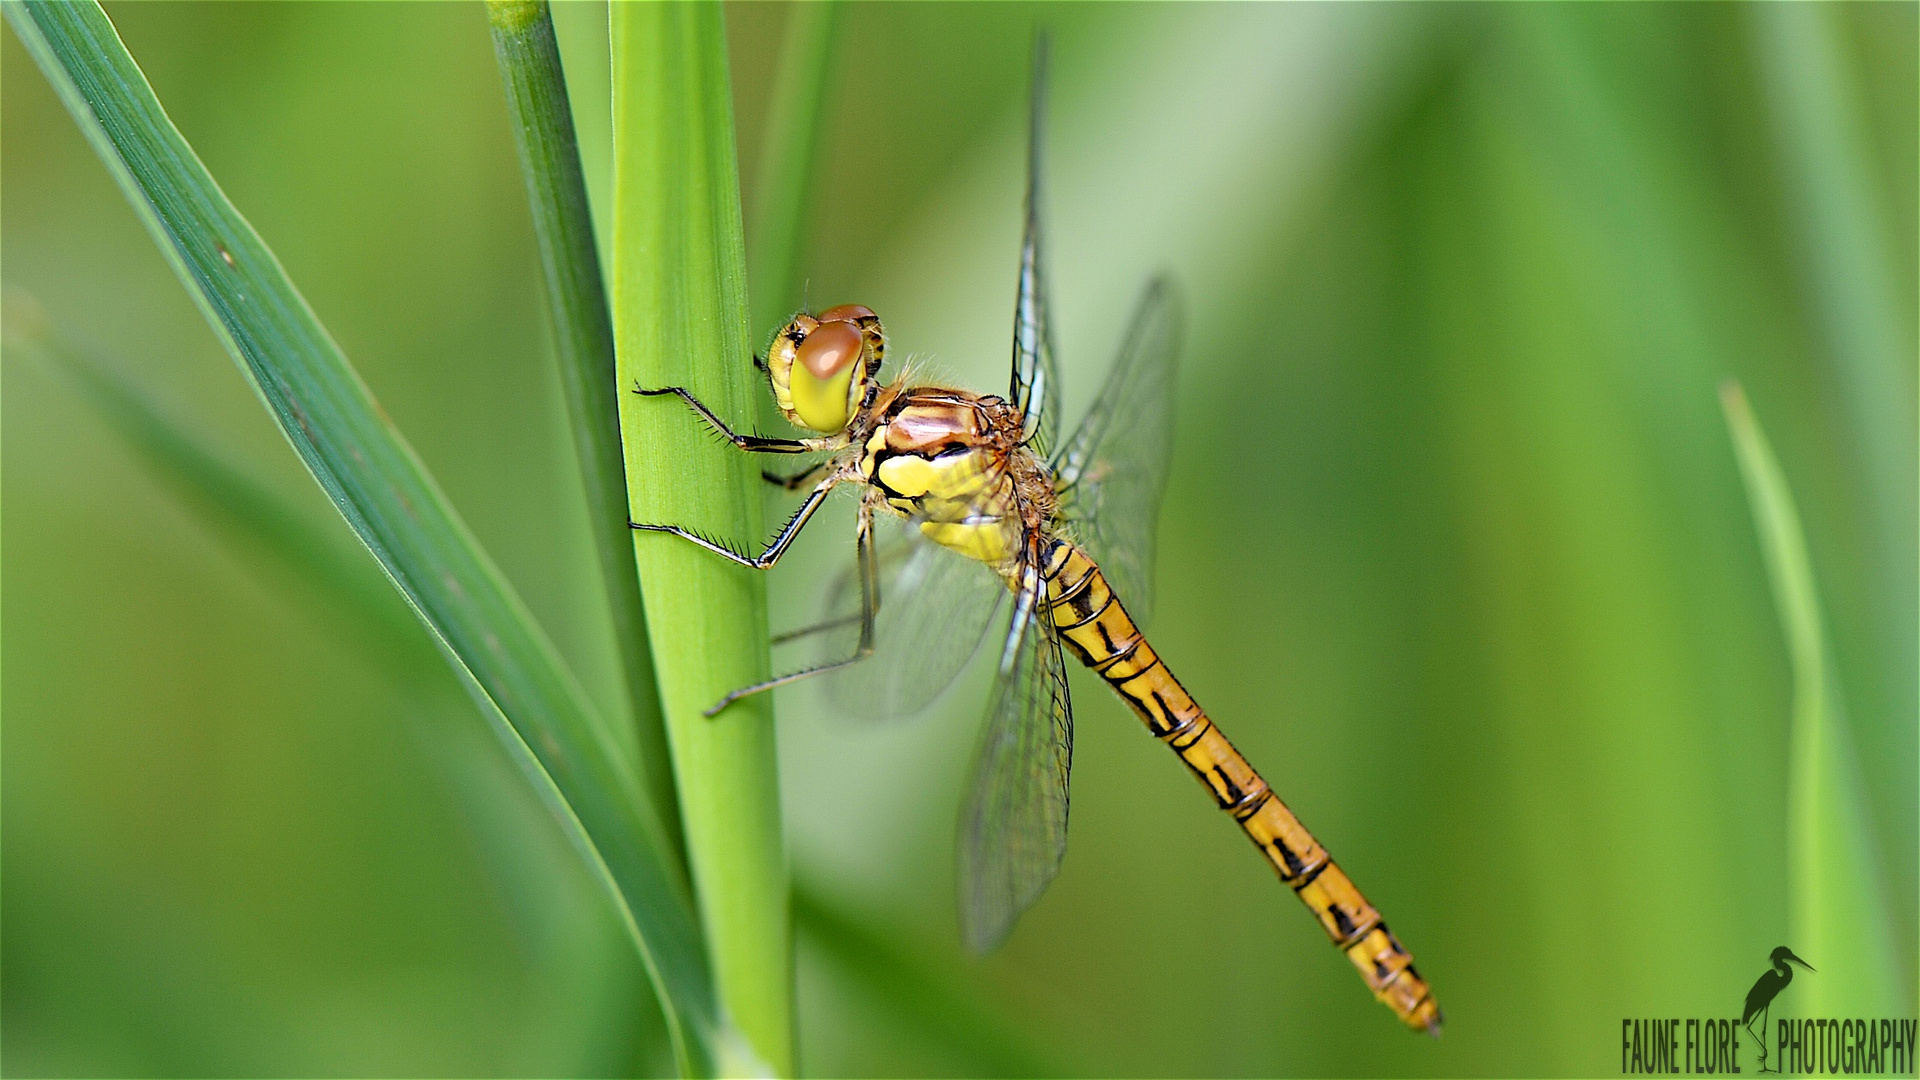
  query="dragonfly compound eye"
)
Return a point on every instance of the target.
[
  {"x": 822, "y": 380},
  {"x": 852, "y": 313}
]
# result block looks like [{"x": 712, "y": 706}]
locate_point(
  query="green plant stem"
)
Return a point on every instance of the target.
[
  {"x": 393, "y": 504},
  {"x": 529, "y": 58},
  {"x": 680, "y": 319},
  {"x": 580, "y": 27},
  {"x": 782, "y": 176},
  {"x": 1837, "y": 914}
]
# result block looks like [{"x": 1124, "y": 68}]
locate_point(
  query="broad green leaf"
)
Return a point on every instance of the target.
[
  {"x": 1837, "y": 916},
  {"x": 529, "y": 57},
  {"x": 680, "y": 319},
  {"x": 377, "y": 482}
]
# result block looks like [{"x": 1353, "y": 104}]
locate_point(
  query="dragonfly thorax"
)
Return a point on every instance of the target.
[{"x": 952, "y": 462}]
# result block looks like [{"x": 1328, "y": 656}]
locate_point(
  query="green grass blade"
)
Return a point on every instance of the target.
[
  {"x": 380, "y": 486},
  {"x": 328, "y": 572},
  {"x": 236, "y": 506},
  {"x": 329, "y": 575},
  {"x": 680, "y": 319},
  {"x": 529, "y": 58},
  {"x": 580, "y": 27},
  {"x": 780, "y": 182},
  {"x": 1837, "y": 917}
]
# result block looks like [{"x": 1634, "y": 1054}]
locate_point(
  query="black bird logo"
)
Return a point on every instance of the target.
[{"x": 1760, "y": 998}]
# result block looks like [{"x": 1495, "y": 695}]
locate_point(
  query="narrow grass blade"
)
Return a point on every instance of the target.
[
  {"x": 1837, "y": 916},
  {"x": 232, "y": 503},
  {"x": 374, "y": 478},
  {"x": 680, "y": 319},
  {"x": 529, "y": 57},
  {"x": 781, "y": 179},
  {"x": 330, "y": 575},
  {"x": 580, "y": 28}
]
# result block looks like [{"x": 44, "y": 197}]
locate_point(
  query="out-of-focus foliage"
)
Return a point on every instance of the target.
[
  {"x": 1456, "y": 546},
  {"x": 1828, "y": 855},
  {"x": 583, "y": 766}
]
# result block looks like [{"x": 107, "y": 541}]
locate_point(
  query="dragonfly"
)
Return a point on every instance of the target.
[{"x": 981, "y": 490}]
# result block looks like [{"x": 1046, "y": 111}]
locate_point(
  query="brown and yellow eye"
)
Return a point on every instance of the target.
[
  {"x": 829, "y": 350},
  {"x": 823, "y": 373}
]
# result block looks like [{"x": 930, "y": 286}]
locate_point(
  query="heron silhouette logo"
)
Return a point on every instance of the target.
[
  {"x": 1760, "y": 998},
  {"x": 1810, "y": 1046}
]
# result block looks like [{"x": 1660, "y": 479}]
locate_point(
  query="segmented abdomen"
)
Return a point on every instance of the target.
[{"x": 1096, "y": 627}]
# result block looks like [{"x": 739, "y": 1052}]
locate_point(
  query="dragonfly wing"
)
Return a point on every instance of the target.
[
  {"x": 935, "y": 606},
  {"x": 1112, "y": 472},
  {"x": 1014, "y": 833},
  {"x": 1036, "y": 379}
]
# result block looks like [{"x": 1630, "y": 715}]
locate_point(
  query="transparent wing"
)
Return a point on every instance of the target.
[
  {"x": 1036, "y": 380},
  {"x": 1014, "y": 833},
  {"x": 1112, "y": 472},
  {"x": 935, "y": 606}
]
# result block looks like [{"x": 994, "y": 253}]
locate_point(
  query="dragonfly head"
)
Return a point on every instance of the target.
[{"x": 821, "y": 366}]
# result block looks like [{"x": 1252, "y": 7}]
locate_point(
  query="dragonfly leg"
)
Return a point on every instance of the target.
[
  {"x": 796, "y": 481},
  {"x": 756, "y": 444},
  {"x": 774, "y": 550},
  {"x": 816, "y": 628},
  {"x": 869, "y": 604}
]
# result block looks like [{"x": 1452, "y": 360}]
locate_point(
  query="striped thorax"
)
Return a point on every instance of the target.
[{"x": 952, "y": 462}]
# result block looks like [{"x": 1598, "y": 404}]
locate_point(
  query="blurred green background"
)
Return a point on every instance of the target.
[{"x": 1456, "y": 548}]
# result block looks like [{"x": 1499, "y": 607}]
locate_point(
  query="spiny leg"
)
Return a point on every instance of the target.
[
  {"x": 869, "y": 605},
  {"x": 870, "y": 580},
  {"x": 754, "y": 444},
  {"x": 774, "y": 550},
  {"x": 817, "y": 628},
  {"x": 796, "y": 481}
]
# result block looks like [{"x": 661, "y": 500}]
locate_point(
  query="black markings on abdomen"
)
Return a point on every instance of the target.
[
  {"x": 1289, "y": 858},
  {"x": 1114, "y": 656},
  {"x": 1310, "y": 876}
]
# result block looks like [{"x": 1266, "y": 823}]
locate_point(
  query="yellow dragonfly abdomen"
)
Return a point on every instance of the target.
[{"x": 1094, "y": 624}]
